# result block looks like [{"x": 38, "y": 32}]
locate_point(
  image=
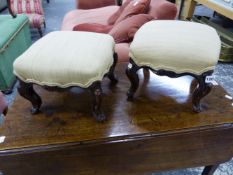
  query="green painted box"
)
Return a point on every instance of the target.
[{"x": 15, "y": 38}]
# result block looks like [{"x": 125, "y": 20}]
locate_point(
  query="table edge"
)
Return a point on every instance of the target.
[{"x": 117, "y": 139}]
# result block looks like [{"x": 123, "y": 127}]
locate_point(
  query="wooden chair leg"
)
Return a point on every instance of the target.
[
  {"x": 26, "y": 90},
  {"x": 131, "y": 73},
  {"x": 201, "y": 91},
  {"x": 10, "y": 9},
  {"x": 96, "y": 91},
  {"x": 209, "y": 170},
  {"x": 40, "y": 31}
]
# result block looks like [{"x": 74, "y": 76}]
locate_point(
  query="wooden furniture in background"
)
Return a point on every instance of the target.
[
  {"x": 157, "y": 132},
  {"x": 216, "y": 5}
]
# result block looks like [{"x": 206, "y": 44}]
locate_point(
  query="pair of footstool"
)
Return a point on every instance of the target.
[{"x": 67, "y": 59}]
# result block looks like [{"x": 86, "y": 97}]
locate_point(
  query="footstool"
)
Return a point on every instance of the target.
[
  {"x": 66, "y": 59},
  {"x": 175, "y": 48}
]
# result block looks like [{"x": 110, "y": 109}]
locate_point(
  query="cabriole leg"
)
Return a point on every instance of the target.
[
  {"x": 26, "y": 90},
  {"x": 5, "y": 111},
  {"x": 111, "y": 74},
  {"x": 201, "y": 91},
  {"x": 131, "y": 73},
  {"x": 96, "y": 91},
  {"x": 209, "y": 170}
]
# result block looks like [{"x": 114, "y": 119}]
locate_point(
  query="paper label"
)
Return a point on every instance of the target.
[{"x": 209, "y": 79}]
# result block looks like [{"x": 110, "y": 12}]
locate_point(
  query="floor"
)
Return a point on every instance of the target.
[{"x": 54, "y": 13}]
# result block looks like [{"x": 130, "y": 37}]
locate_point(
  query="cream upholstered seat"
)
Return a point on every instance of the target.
[
  {"x": 177, "y": 46},
  {"x": 66, "y": 58}
]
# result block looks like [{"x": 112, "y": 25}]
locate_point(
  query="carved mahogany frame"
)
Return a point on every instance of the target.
[
  {"x": 27, "y": 91},
  {"x": 200, "y": 91}
]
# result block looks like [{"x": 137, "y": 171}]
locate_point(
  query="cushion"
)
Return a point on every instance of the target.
[
  {"x": 122, "y": 50},
  {"x": 162, "y": 9},
  {"x": 124, "y": 31},
  {"x": 99, "y": 15},
  {"x": 93, "y": 27},
  {"x": 133, "y": 8},
  {"x": 88, "y": 4},
  {"x": 176, "y": 46},
  {"x": 66, "y": 58},
  {"x": 117, "y": 14}
]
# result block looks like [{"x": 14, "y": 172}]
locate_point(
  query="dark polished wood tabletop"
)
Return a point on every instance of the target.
[{"x": 157, "y": 131}]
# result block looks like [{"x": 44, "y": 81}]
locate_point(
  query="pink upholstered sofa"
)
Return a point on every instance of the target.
[
  {"x": 3, "y": 105},
  {"x": 90, "y": 4},
  {"x": 161, "y": 9}
]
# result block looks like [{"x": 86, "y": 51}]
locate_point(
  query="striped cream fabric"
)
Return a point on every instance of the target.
[
  {"x": 27, "y": 6},
  {"x": 36, "y": 20},
  {"x": 32, "y": 8},
  {"x": 66, "y": 58},
  {"x": 176, "y": 46}
]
